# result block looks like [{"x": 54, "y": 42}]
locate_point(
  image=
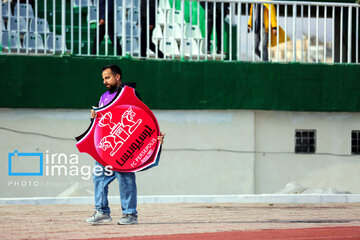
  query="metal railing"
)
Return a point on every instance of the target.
[{"x": 231, "y": 30}]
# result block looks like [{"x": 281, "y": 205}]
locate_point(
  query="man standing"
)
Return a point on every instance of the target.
[
  {"x": 144, "y": 27},
  {"x": 106, "y": 21},
  {"x": 112, "y": 79},
  {"x": 210, "y": 23},
  {"x": 262, "y": 32}
]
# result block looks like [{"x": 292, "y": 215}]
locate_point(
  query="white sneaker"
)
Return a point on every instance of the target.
[
  {"x": 128, "y": 219},
  {"x": 99, "y": 217}
]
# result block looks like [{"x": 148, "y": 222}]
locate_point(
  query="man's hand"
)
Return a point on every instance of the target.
[
  {"x": 161, "y": 137},
  {"x": 274, "y": 31},
  {"x": 101, "y": 22},
  {"x": 93, "y": 114}
]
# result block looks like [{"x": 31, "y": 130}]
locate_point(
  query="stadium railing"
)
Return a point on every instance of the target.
[{"x": 300, "y": 31}]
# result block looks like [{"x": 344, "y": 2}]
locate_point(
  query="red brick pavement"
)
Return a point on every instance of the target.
[
  {"x": 67, "y": 221},
  {"x": 331, "y": 233}
]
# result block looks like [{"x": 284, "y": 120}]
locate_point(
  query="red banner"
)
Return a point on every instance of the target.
[{"x": 123, "y": 134}]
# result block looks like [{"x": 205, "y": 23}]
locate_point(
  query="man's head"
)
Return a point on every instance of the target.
[{"x": 112, "y": 76}]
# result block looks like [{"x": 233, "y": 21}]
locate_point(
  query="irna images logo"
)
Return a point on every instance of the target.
[
  {"x": 51, "y": 164},
  {"x": 25, "y": 164}
]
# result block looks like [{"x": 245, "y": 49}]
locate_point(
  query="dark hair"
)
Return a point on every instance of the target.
[{"x": 115, "y": 69}]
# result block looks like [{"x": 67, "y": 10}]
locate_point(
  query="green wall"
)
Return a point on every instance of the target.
[{"x": 75, "y": 82}]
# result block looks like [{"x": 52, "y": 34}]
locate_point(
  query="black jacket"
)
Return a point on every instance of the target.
[{"x": 111, "y": 10}]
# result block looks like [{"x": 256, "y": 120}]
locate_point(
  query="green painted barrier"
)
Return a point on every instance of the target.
[{"x": 75, "y": 82}]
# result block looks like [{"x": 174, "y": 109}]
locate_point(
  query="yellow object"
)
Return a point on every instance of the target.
[
  {"x": 273, "y": 23},
  {"x": 266, "y": 16},
  {"x": 281, "y": 34}
]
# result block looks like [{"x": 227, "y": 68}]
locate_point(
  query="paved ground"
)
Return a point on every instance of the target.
[{"x": 186, "y": 221}]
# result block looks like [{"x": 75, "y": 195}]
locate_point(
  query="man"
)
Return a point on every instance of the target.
[
  {"x": 112, "y": 79},
  {"x": 151, "y": 27},
  {"x": 255, "y": 16},
  {"x": 210, "y": 23},
  {"x": 109, "y": 21}
]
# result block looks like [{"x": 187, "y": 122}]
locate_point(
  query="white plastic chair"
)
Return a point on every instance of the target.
[
  {"x": 202, "y": 47},
  {"x": 3, "y": 28},
  {"x": 135, "y": 15},
  {"x": 119, "y": 14},
  {"x": 169, "y": 47},
  {"x": 92, "y": 15},
  {"x": 174, "y": 17},
  {"x": 33, "y": 41},
  {"x": 135, "y": 44},
  {"x": 172, "y": 30},
  {"x": 135, "y": 27},
  {"x": 192, "y": 31},
  {"x": 128, "y": 3},
  {"x": 24, "y": 9},
  {"x": 160, "y": 16},
  {"x": 119, "y": 3},
  {"x": 127, "y": 28},
  {"x": 157, "y": 34},
  {"x": 190, "y": 48},
  {"x": 83, "y": 3},
  {"x": 42, "y": 25},
  {"x": 5, "y": 10},
  {"x": 15, "y": 42},
  {"x": 58, "y": 43},
  {"x": 13, "y": 24},
  {"x": 119, "y": 28},
  {"x": 164, "y": 4},
  {"x": 119, "y": 19}
]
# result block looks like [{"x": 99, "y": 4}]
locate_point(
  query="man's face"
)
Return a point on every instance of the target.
[{"x": 111, "y": 81}]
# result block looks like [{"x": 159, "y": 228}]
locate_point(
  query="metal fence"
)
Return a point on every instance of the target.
[{"x": 232, "y": 30}]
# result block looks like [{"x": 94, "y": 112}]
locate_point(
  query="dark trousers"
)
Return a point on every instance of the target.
[
  {"x": 111, "y": 36},
  {"x": 144, "y": 40},
  {"x": 210, "y": 22}
]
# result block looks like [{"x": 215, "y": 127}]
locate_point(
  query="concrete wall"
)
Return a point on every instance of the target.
[
  {"x": 275, "y": 132},
  {"x": 189, "y": 163},
  {"x": 196, "y": 159}
]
